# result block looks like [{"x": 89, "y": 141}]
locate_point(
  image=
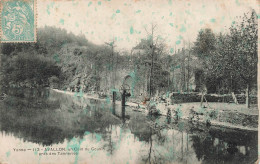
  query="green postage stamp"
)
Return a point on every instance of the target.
[{"x": 18, "y": 20}]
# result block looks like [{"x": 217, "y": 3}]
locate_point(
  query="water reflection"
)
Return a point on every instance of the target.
[{"x": 48, "y": 118}]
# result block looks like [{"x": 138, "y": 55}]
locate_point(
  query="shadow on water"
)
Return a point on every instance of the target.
[
  {"x": 46, "y": 117},
  {"x": 225, "y": 146}
]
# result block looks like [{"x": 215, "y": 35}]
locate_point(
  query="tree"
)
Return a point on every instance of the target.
[
  {"x": 245, "y": 36},
  {"x": 230, "y": 59},
  {"x": 204, "y": 48},
  {"x": 155, "y": 49},
  {"x": 205, "y": 43},
  {"x": 113, "y": 71}
]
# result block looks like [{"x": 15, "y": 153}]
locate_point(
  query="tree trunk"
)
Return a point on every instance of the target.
[
  {"x": 188, "y": 78},
  {"x": 201, "y": 100},
  {"x": 151, "y": 75},
  {"x": 234, "y": 97},
  {"x": 172, "y": 83},
  {"x": 184, "y": 75},
  {"x": 247, "y": 95}
]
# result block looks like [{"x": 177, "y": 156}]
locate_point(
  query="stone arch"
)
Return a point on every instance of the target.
[
  {"x": 129, "y": 82},
  {"x": 127, "y": 78}
]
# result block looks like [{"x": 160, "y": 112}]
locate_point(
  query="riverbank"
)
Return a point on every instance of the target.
[
  {"x": 229, "y": 115},
  {"x": 46, "y": 118}
]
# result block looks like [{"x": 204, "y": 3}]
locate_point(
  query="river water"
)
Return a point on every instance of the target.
[{"x": 44, "y": 126}]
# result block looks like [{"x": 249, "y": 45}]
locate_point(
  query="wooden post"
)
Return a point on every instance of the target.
[
  {"x": 114, "y": 96},
  {"x": 247, "y": 96},
  {"x": 114, "y": 103},
  {"x": 113, "y": 108},
  {"x": 123, "y": 103}
]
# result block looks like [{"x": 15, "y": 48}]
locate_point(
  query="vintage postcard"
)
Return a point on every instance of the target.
[{"x": 129, "y": 81}]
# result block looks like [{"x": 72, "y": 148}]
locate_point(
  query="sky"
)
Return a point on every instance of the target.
[{"x": 177, "y": 21}]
